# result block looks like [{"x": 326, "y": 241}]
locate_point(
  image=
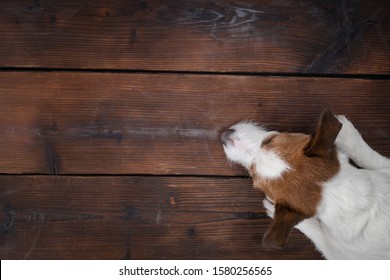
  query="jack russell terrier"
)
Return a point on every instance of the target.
[{"x": 311, "y": 184}]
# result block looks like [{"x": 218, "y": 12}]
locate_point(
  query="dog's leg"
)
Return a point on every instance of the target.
[{"x": 351, "y": 142}]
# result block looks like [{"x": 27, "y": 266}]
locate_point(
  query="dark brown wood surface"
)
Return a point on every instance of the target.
[
  {"x": 301, "y": 36},
  {"x": 136, "y": 217},
  {"x": 111, "y": 113},
  {"x": 102, "y": 123}
]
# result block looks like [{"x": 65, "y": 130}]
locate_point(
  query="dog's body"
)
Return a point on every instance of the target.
[{"x": 311, "y": 185}]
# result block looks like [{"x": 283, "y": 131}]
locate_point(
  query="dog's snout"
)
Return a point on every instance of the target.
[{"x": 226, "y": 136}]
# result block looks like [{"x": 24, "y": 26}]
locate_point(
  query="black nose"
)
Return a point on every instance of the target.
[{"x": 225, "y": 136}]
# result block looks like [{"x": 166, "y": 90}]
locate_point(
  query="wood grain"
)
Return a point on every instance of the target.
[
  {"x": 299, "y": 36},
  {"x": 102, "y": 123},
  {"x": 139, "y": 171},
  {"x": 62, "y": 217}
]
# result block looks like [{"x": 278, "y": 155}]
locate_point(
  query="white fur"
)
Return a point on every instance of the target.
[
  {"x": 244, "y": 149},
  {"x": 353, "y": 217}
]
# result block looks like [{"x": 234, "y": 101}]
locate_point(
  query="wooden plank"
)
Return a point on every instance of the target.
[
  {"x": 62, "y": 217},
  {"x": 102, "y": 123},
  {"x": 298, "y": 36}
]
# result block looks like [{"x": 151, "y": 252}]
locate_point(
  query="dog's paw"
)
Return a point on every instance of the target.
[
  {"x": 347, "y": 132},
  {"x": 269, "y": 207}
]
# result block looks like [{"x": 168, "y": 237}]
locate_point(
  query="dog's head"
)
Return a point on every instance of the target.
[{"x": 288, "y": 167}]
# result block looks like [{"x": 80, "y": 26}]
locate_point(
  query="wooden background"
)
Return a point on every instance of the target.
[{"x": 111, "y": 113}]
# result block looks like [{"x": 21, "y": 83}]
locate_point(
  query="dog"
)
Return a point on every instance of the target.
[{"x": 329, "y": 185}]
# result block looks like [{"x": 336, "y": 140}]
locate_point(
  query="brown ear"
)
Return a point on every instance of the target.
[
  {"x": 321, "y": 143},
  {"x": 284, "y": 220}
]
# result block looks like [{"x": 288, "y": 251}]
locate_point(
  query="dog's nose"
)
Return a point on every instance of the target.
[{"x": 225, "y": 137}]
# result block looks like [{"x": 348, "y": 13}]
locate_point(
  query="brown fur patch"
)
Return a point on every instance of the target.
[
  {"x": 327, "y": 130},
  {"x": 298, "y": 188},
  {"x": 297, "y": 192},
  {"x": 282, "y": 224}
]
